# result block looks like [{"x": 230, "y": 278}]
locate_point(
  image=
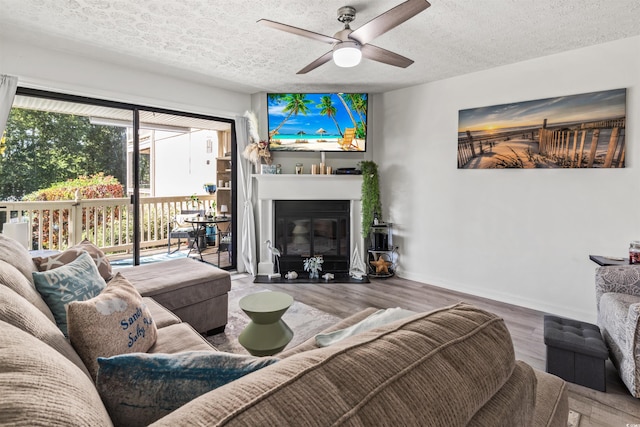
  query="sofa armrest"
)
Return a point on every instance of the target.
[
  {"x": 552, "y": 401},
  {"x": 633, "y": 331},
  {"x": 624, "y": 279}
]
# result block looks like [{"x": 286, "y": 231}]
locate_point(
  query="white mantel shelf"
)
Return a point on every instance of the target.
[
  {"x": 309, "y": 187},
  {"x": 269, "y": 187}
]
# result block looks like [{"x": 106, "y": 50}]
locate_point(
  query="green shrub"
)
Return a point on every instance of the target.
[{"x": 96, "y": 186}]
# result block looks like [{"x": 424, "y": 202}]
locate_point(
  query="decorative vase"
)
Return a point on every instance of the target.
[{"x": 313, "y": 274}]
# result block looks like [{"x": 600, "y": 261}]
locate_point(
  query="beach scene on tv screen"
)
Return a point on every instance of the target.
[{"x": 317, "y": 121}]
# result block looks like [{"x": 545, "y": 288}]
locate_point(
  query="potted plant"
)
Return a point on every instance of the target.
[
  {"x": 371, "y": 206},
  {"x": 209, "y": 187},
  {"x": 195, "y": 201},
  {"x": 313, "y": 265}
]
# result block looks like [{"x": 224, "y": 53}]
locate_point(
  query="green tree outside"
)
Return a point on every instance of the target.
[{"x": 42, "y": 148}]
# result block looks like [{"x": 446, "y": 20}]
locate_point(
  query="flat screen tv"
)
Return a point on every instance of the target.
[{"x": 317, "y": 121}]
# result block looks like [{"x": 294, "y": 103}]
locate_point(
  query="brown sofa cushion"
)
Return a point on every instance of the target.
[
  {"x": 513, "y": 404},
  {"x": 180, "y": 337},
  {"x": 18, "y": 312},
  {"x": 58, "y": 260},
  {"x": 115, "y": 322},
  {"x": 161, "y": 316},
  {"x": 41, "y": 387},
  {"x": 17, "y": 255},
  {"x": 195, "y": 291},
  {"x": 186, "y": 280},
  {"x": 552, "y": 403},
  {"x": 13, "y": 279},
  {"x": 437, "y": 368}
]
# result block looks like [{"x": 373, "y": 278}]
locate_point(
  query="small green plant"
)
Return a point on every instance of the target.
[{"x": 195, "y": 201}]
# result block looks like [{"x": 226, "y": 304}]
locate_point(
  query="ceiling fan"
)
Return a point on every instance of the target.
[{"x": 349, "y": 46}]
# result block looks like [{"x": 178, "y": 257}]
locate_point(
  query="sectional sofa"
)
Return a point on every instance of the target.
[{"x": 454, "y": 366}]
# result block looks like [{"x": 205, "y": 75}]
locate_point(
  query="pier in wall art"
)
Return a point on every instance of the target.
[{"x": 574, "y": 131}]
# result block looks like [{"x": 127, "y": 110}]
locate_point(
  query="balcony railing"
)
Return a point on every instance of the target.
[{"x": 108, "y": 223}]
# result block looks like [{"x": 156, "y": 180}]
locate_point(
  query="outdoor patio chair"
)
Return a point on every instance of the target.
[
  {"x": 224, "y": 240},
  {"x": 179, "y": 229}
]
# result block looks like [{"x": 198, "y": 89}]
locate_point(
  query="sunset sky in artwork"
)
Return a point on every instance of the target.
[{"x": 573, "y": 108}]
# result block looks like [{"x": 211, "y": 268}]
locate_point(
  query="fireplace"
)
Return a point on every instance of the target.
[
  {"x": 301, "y": 190},
  {"x": 307, "y": 228}
]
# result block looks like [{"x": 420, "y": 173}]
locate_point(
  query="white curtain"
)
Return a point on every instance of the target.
[
  {"x": 8, "y": 86},
  {"x": 247, "y": 230}
]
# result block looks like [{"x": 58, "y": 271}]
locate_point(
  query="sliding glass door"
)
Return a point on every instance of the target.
[{"x": 115, "y": 174}]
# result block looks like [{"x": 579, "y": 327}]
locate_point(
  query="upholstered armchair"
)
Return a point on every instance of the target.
[{"x": 618, "y": 299}]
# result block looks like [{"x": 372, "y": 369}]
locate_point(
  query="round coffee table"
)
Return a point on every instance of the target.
[{"x": 266, "y": 334}]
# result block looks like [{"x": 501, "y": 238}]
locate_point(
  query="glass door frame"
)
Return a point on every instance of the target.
[{"x": 135, "y": 197}]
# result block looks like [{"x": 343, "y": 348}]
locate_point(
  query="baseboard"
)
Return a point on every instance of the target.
[{"x": 538, "y": 305}]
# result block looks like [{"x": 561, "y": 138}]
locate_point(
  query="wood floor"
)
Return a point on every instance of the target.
[{"x": 614, "y": 408}]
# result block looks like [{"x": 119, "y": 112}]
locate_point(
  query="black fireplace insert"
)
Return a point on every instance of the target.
[{"x": 307, "y": 228}]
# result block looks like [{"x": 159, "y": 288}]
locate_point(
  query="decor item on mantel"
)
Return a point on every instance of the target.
[
  {"x": 371, "y": 206},
  {"x": 257, "y": 151},
  {"x": 313, "y": 265}
]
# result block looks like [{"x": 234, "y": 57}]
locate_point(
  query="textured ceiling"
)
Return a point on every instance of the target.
[{"x": 219, "y": 42}]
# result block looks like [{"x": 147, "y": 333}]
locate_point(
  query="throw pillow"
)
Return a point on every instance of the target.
[
  {"x": 58, "y": 260},
  {"x": 79, "y": 280},
  {"x": 115, "y": 322},
  {"x": 138, "y": 389},
  {"x": 379, "y": 318}
]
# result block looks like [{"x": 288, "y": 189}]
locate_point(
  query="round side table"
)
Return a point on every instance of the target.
[{"x": 266, "y": 334}]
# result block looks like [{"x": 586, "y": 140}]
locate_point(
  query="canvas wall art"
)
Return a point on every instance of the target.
[{"x": 575, "y": 131}]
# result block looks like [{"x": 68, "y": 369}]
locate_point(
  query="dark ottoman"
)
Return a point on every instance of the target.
[{"x": 575, "y": 351}]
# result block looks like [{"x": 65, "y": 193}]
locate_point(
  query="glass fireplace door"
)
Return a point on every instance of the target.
[{"x": 304, "y": 229}]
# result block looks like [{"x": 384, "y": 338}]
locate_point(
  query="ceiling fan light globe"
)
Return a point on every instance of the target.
[{"x": 347, "y": 54}]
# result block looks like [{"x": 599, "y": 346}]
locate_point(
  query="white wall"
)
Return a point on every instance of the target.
[
  {"x": 63, "y": 72},
  {"x": 183, "y": 163},
  {"x": 519, "y": 236}
]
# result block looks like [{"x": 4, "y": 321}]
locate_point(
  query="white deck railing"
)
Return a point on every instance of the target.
[{"x": 108, "y": 223}]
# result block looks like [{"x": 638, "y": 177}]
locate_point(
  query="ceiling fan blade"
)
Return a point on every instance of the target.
[
  {"x": 298, "y": 31},
  {"x": 386, "y": 56},
  {"x": 388, "y": 20},
  {"x": 318, "y": 62}
]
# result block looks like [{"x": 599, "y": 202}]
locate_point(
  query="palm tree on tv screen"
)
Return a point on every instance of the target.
[
  {"x": 359, "y": 103},
  {"x": 327, "y": 109},
  {"x": 296, "y": 104}
]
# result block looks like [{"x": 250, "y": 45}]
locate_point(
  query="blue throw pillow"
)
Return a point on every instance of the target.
[
  {"x": 77, "y": 281},
  {"x": 140, "y": 388}
]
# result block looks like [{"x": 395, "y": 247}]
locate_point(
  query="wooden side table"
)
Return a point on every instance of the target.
[{"x": 266, "y": 334}]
